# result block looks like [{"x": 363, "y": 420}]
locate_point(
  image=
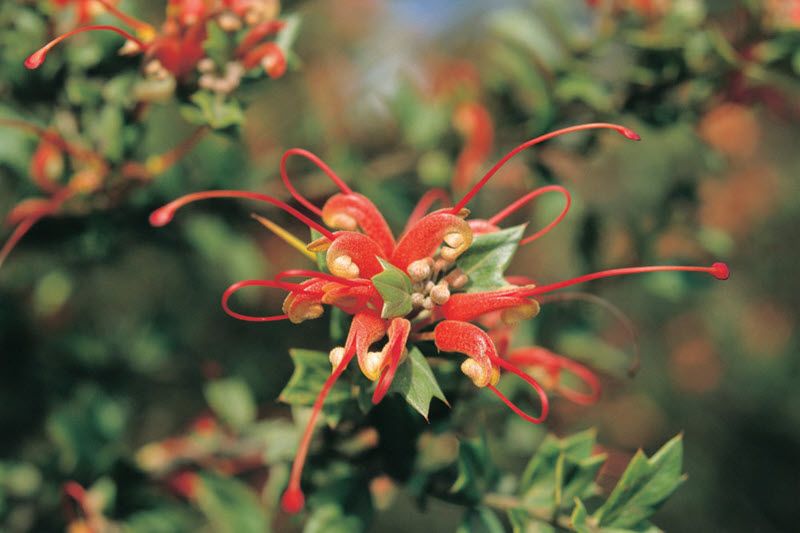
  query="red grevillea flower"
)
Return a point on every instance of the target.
[
  {"x": 89, "y": 179},
  {"x": 361, "y": 250},
  {"x": 177, "y": 49}
]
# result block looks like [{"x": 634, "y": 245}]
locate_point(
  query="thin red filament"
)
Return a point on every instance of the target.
[
  {"x": 424, "y": 205},
  {"x": 164, "y": 215},
  {"x": 718, "y": 270},
  {"x": 37, "y": 58},
  {"x": 53, "y": 138},
  {"x": 321, "y": 164},
  {"x": 532, "y": 382},
  {"x": 320, "y": 275},
  {"x": 527, "y": 198},
  {"x": 254, "y": 283},
  {"x": 131, "y": 21},
  {"x": 630, "y": 134},
  {"x": 293, "y": 500},
  {"x": 27, "y": 223},
  {"x": 618, "y": 314}
]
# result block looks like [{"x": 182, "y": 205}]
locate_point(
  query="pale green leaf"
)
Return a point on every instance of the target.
[{"x": 395, "y": 288}]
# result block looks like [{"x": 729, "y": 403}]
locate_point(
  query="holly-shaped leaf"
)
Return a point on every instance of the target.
[
  {"x": 311, "y": 369},
  {"x": 395, "y": 288},
  {"x": 415, "y": 381},
  {"x": 488, "y": 257},
  {"x": 643, "y": 487}
]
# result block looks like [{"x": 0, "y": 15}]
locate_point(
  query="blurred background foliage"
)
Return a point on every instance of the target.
[{"x": 117, "y": 358}]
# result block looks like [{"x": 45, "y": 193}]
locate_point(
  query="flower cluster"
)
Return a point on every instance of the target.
[
  {"x": 90, "y": 176},
  {"x": 416, "y": 288},
  {"x": 177, "y": 49}
]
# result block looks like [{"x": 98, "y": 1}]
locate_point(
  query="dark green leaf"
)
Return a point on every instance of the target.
[
  {"x": 480, "y": 520},
  {"x": 311, "y": 370},
  {"x": 560, "y": 470},
  {"x": 415, "y": 381},
  {"x": 522, "y": 522},
  {"x": 580, "y": 518},
  {"x": 232, "y": 401},
  {"x": 643, "y": 487},
  {"x": 487, "y": 258},
  {"x": 476, "y": 473},
  {"x": 395, "y": 288},
  {"x": 230, "y": 505}
]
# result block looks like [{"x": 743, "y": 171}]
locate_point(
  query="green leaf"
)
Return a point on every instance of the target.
[
  {"x": 580, "y": 518},
  {"x": 230, "y": 505},
  {"x": 215, "y": 111},
  {"x": 643, "y": 487},
  {"x": 480, "y": 520},
  {"x": 487, "y": 258},
  {"x": 232, "y": 401},
  {"x": 521, "y": 522},
  {"x": 415, "y": 381},
  {"x": 476, "y": 473},
  {"x": 329, "y": 518},
  {"x": 395, "y": 288},
  {"x": 560, "y": 470},
  {"x": 311, "y": 370}
]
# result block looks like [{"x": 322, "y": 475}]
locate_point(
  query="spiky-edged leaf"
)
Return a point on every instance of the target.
[
  {"x": 487, "y": 258},
  {"x": 415, "y": 381},
  {"x": 395, "y": 288},
  {"x": 311, "y": 370},
  {"x": 643, "y": 487}
]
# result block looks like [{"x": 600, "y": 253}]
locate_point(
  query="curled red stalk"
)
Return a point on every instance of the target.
[
  {"x": 554, "y": 364},
  {"x": 532, "y": 382},
  {"x": 36, "y": 59},
  {"x": 483, "y": 365},
  {"x": 630, "y": 134},
  {"x": 424, "y": 205},
  {"x": 321, "y": 164},
  {"x": 363, "y": 328},
  {"x": 78, "y": 152},
  {"x": 163, "y": 215},
  {"x": 43, "y": 208},
  {"x": 718, "y": 270},
  {"x": 255, "y": 283},
  {"x": 527, "y": 198}
]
